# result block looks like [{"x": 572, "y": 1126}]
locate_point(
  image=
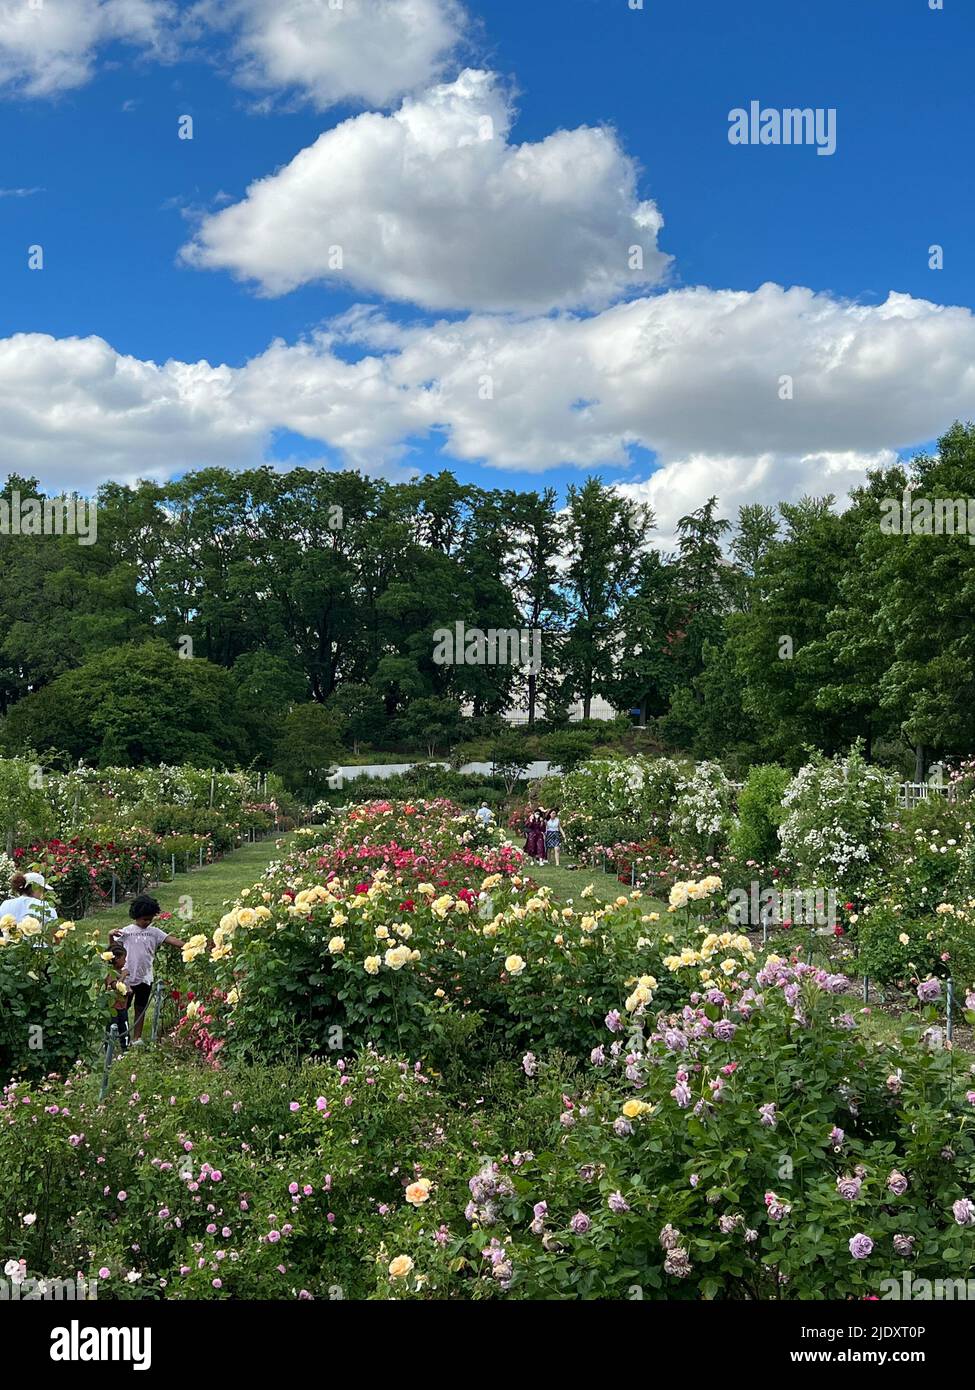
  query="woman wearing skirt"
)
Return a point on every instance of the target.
[{"x": 553, "y": 834}]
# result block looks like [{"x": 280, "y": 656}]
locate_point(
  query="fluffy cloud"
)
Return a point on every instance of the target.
[
  {"x": 682, "y": 485},
  {"x": 52, "y": 47},
  {"x": 74, "y": 412},
  {"x": 434, "y": 206},
  {"x": 364, "y": 51},
  {"x": 693, "y": 375},
  {"x": 370, "y": 51}
]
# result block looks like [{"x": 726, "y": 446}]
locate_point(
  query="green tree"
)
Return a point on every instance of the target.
[
  {"x": 605, "y": 535},
  {"x": 307, "y": 749},
  {"x": 133, "y": 705}
]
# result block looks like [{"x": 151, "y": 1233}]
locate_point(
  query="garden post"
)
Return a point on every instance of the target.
[
  {"x": 157, "y": 1016},
  {"x": 109, "y": 1054},
  {"x": 866, "y": 990},
  {"x": 114, "y": 888},
  {"x": 172, "y": 859},
  {"x": 949, "y": 1010}
]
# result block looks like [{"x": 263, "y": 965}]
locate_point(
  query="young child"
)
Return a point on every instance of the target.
[
  {"x": 141, "y": 941},
  {"x": 117, "y": 985}
]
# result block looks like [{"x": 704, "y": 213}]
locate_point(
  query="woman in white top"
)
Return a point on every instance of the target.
[
  {"x": 28, "y": 899},
  {"x": 553, "y": 834}
]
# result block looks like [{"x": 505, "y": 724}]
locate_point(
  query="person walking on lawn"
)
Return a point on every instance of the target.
[{"x": 141, "y": 941}]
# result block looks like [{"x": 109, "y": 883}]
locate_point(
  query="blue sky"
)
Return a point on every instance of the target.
[{"x": 117, "y": 194}]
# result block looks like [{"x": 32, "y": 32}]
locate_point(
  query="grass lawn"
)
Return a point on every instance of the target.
[
  {"x": 209, "y": 887},
  {"x": 569, "y": 883}
]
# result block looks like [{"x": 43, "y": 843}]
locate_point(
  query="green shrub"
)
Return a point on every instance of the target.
[{"x": 756, "y": 832}]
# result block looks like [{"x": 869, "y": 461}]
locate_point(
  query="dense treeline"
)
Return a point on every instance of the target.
[{"x": 319, "y": 593}]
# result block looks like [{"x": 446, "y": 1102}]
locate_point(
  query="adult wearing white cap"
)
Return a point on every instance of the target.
[{"x": 27, "y": 899}]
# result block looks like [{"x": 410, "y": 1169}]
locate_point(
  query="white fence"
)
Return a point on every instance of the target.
[
  {"x": 533, "y": 771},
  {"x": 910, "y": 793}
]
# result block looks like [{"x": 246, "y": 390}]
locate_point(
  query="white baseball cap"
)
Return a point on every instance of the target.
[{"x": 37, "y": 879}]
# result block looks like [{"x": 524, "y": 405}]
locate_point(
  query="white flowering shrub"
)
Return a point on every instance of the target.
[
  {"x": 837, "y": 811},
  {"x": 702, "y": 810},
  {"x": 607, "y": 801}
]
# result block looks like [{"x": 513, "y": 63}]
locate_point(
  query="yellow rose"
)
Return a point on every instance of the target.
[
  {"x": 233, "y": 997},
  {"x": 371, "y": 965},
  {"x": 193, "y": 1008},
  {"x": 418, "y": 1192},
  {"x": 514, "y": 965},
  {"x": 336, "y": 946},
  {"x": 29, "y": 926},
  {"x": 397, "y": 956},
  {"x": 400, "y": 1267},
  {"x": 632, "y": 1109},
  {"x": 246, "y": 917}
]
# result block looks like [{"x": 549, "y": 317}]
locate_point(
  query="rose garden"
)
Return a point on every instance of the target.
[{"x": 402, "y": 1061}]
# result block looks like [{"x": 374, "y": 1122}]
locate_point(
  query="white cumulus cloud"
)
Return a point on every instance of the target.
[
  {"x": 363, "y": 51},
  {"x": 433, "y": 205},
  {"x": 693, "y": 375},
  {"x": 51, "y": 47},
  {"x": 370, "y": 52}
]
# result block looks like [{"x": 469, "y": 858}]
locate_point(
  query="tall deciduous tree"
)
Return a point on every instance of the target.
[{"x": 605, "y": 536}]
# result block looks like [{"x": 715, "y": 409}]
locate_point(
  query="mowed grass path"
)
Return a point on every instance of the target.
[
  {"x": 569, "y": 883},
  {"x": 209, "y": 887}
]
